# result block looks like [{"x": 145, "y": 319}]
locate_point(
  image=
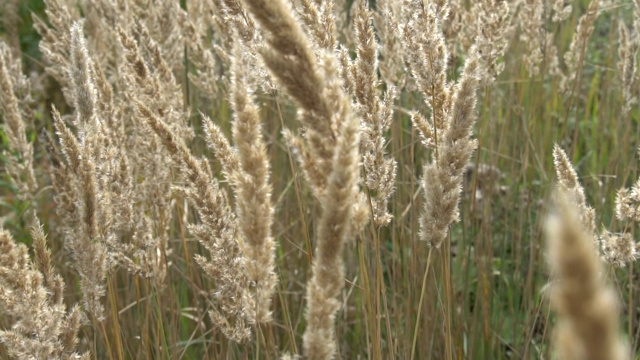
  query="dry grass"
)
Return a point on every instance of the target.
[{"x": 321, "y": 179}]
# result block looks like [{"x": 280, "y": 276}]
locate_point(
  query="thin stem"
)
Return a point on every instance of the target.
[
  {"x": 446, "y": 277},
  {"x": 422, "y": 293},
  {"x": 383, "y": 292},
  {"x": 298, "y": 196}
]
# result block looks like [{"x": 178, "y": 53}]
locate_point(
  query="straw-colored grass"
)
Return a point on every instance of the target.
[{"x": 340, "y": 179}]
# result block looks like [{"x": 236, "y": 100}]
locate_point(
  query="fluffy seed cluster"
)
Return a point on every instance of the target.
[
  {"x": 126, "y": 172},
  {"x": 442, "y": 179},
  {"x": 574, "y": 57},
  {"x": 329, "y": 156},
  {"x": 246, "y": 167},
  {"x": 619, "y": 249},
  {"x": 492, "y": 36},
  {"x": 622, "y": 248},
  {"x": 376, "y": 115},
  {"x": 452, "y": 116},
  {"x": 14, "y": 100},
  {"x": 82, "y": 210},
  {"x": 568, "y": 181},
  {"x": 587, "y": 326},
  {"x": 31, "y": 293},
  {"x": 541, "y": 57},
  {"x": 628, "y": 203},
  {"x": 230, "y": 300},
  {"x": 627, "y": 64}
]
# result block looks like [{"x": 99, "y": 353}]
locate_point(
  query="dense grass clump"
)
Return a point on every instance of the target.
[{"x": 266, "y": 179}]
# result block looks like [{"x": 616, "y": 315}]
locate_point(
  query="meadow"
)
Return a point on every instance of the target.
[{"x": 309, "y": 179}]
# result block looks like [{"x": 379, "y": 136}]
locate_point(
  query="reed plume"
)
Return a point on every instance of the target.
[
  {"x": 628, "y": 203},
  {"x": 14, "y": 111},
  {"x": 574, "y": 57},
  {"x": 201, "y": 56},
  {"x": 617, "y": 248},
  {"x": 246, "y": 166},
  {"x": 317, "y": 118},
  {"x": 427, "y": 57},
  {"x": 541, "y": 52},
  {"x": 448, "y": 129},
  {"x": 492, "y": 36},
  {"x": 568, "y": 182},
  {"x": 376, "y": 115},
  {"x": 31, "y": 293},
  {"x": 231, "y": 301},
  {"x": 561, "y": 10},
  {"x": 327, "y": 277},
  {"x": 620, "y": 249},
  {"x": 587, "y": 326},
  {"x": 320, "y": 22},
  {"x": 627, "y": 64},
  {"x": 329, "y": 159},
  {"x": 387, "y": 24},
  {"x": 84, "y": 237},
  {"x": 10, "y": 21},
  {"x": 233, "y": 25},
  {"x": 442, "y": 179},
  {"x": 291, "y": 59},
  {"x": 56, "y": 42}
]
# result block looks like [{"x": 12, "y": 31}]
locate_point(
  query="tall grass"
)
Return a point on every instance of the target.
[{"x": 338, "y": 179}]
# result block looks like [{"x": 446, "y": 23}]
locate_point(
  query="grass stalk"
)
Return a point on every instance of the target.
[
  {"x": 448, "y": 300},
  {"x": 423, "y": 290}
]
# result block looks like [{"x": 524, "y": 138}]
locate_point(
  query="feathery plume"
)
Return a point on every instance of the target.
[
  {"x": 330, "y": 151},
  {"x": 628, "y": 203},
  {"x": 427, "y": 57},
  {"x": 10, "y": 21},
  {"x": 442, "y": 179},
  {"x": 231, "y": 301},
  {"x": 319, "y": 20},
  {"x": 224, "y": 152},
  {"x": 314, "y": 84},
  {"x": 13, "y": 111},
  {"x": 492, "y": 36},
  {"x": 247, "y": 168},
  {"x": 31, "y": 293},
  {"x": 539, "y": 43},
  {"x": 587, "y": 326},
  {"x": 84, "y": 216},
  {"x": 568, "y": 181},
  {"x": 232, "y": 24},
  {"x": 56, "y": 42},
  {"x": 376, "y": 116},
  {"x": 627, "y": 67},
  {"x": 387, "y": 27},
  {"x": 561, "y": 10},
  {"x": 619, "y": 249},
  {"x": 201, "y": 56},
  {"x": 84, "y": 89},
  {"x": 82, "y": 236},
  {"x": 574, "y": 57},
  {"x": 334, "y": 231}
]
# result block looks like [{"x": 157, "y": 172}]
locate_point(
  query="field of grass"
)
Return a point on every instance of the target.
[{"x": 281, "y": 179}]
